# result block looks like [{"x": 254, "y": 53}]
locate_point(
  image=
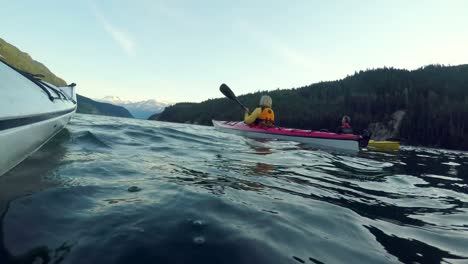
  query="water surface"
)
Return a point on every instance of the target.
[{"x": 115, "y": 190}]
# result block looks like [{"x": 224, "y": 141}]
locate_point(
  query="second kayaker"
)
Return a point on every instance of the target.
[
  {"x": 346, "y": 125},
  {"x": 262, "y": 115}
]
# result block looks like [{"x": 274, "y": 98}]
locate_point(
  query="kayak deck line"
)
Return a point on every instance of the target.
[
  {"x": 46, "y": 87},
  {"x": 23, "y": 121}
]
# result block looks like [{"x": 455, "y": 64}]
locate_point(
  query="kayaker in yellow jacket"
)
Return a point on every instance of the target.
[{"x": 262, "y": 115}]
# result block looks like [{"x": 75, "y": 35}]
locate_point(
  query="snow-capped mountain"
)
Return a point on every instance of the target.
[
  {"x": 114, "y": 100},
  {"x": 140, "y": 109}
]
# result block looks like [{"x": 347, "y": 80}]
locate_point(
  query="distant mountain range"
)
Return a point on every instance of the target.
[
  {"x": 140, "y": 109},
  {"x": 23, "y": 61},
  {"x": 89, "y": 106}
]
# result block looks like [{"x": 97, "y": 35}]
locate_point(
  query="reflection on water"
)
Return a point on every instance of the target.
[
  {"x": 34, "y": 174},
  {"x": 210, "y": 197},
  {"x": 28, "y": 177},
  {"x": 411, "y": 251}
]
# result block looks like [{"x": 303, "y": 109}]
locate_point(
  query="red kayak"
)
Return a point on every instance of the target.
[{"x": 316, "y": 138}]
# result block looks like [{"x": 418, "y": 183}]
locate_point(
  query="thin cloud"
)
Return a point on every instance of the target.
[
  {"x": 119, "y": 36},
  {"x": 288, "y": 54}
]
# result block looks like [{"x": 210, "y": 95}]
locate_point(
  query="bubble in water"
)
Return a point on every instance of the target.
[
  {"x": 199, "y": 240},
  {"x": 198, "y": 222},
  {"x": 134, "y": 189}
]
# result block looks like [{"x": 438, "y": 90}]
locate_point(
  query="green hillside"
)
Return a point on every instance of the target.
[
  {"x": 435, "y": 99},
  {"x": 23, "y": 61}
]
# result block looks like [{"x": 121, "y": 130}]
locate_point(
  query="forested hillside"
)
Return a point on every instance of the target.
[{"x": 435, "y": 98}]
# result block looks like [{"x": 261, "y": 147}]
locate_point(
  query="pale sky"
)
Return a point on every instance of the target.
[{"x": 183, "y": 50}]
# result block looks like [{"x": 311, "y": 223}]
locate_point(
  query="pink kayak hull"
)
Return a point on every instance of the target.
[{"x": 316, "y": 138}]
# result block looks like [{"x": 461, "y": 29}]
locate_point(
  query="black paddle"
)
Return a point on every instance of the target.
[{"x": 230, "y": 94}]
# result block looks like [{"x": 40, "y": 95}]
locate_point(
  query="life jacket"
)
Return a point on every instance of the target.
[
  {"x": 266, "y": 118},
  {"x": 346, "y": 128},
  {"x": 345, "y": 125}
]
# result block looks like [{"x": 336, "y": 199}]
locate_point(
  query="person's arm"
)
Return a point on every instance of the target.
[{"x": 249, "y": 119}]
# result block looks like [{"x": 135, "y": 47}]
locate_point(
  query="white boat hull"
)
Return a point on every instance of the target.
[
  {"x": 20, "y": 142},
  {"x": 31, "y": 113}
]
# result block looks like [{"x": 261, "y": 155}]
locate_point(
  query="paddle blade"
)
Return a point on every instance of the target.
[
  {"x": 227, "y": 91},
  {"x": 230, "y": 94}
]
